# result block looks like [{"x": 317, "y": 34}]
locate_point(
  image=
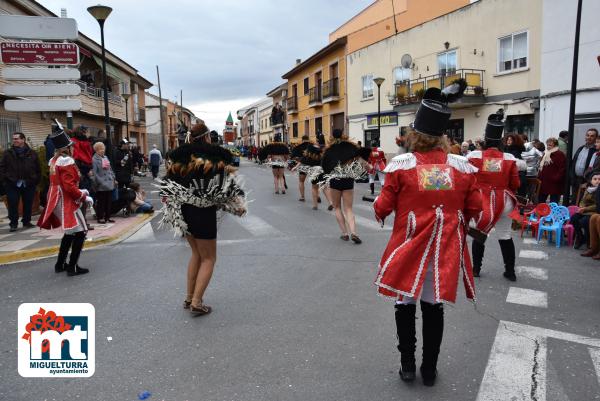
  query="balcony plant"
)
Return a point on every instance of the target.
[
  {"x": 419, "y": 93},
  {"x": 478, "y": 90}
]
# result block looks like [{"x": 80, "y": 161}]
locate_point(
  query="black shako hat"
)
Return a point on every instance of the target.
[
  {"x": 495, "y": 127},
  {"x": 433, "y": 114},
  {"x": 59, "y": 137}
]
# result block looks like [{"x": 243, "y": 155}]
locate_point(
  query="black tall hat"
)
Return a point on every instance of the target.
[
  {"x": 433, "y": 114},
  {"x": 495, "y": 126},
  {"x": 59, "y": 137}
]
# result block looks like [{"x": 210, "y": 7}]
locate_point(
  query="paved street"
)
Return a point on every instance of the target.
[{"x": 297, "y": 317}]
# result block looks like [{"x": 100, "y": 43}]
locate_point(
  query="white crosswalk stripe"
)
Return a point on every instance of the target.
[
  {"x": 538, "y": 255},
  {"x": 537, "y": 273},
  {"x": 372, "y": 224},
  {"x": 258, "y": 227},
  {"x": 525, "y": 296}
]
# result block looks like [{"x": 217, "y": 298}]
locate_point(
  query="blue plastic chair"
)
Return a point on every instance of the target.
[{"x": 553, "y": 223}]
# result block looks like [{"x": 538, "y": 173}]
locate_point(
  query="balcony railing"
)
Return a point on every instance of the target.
[
  {"x": 98, "y": 92},
  {"x": 140, "y": 116},
  {"x": 331, "y": 89},
  {"x": 277, "y": 119},
  {"x": 314, "y": 95},
  {"x": 292, "y": 104},
  {"x": 409, "y": 92}
]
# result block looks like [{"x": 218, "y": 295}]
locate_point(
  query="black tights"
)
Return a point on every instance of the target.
[{"x": 73, "y": 242}]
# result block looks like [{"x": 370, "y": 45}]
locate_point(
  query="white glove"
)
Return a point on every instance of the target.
[
  {"x": 89, "y": 200},
  {"x": 85, "y": 192}
]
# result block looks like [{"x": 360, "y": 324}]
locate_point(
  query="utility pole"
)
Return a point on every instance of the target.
[
  {"x": 160, "y": 110},
  {"x": 181, "y": 106},
  {"x": 567, "y": 193}
]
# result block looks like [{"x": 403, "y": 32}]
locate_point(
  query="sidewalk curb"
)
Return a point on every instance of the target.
[{"x": 41, "y": 253}]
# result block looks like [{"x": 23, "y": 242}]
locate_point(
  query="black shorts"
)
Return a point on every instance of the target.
[
  {"x": 201, "y": 221},
  {"x": 276, "y": 167},
  {"x": 302, "y": 174},
  {"x": 342, "y": 184},
  {"x": 317, "y": 180}
]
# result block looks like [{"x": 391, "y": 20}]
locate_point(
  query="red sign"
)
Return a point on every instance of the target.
[{"x": 39, "y": 53}]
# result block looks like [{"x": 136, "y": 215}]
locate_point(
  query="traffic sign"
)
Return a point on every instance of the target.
[
  {"x": 42, "y": 90},
  {"x": 43, "y": 105},
  {"x": 40, "y": 28},
  {"x": 39, "y": 53},
  {"x": 40, "y": 74}
]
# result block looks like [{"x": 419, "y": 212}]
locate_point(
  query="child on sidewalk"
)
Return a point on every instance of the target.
[
  {"x": 139, "y": 204},
  {"x": 587, "y": 207}
]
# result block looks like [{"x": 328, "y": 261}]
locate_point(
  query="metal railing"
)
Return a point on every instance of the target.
[
  {"x": 314, "y": 95},
  {"x": 140, "y": 116},
  {"x": 412, "y": 91},
  {"x": 331, "y": 88},
  {"x": 292, "y": 103},
  {"x": 98, "y": 92}
]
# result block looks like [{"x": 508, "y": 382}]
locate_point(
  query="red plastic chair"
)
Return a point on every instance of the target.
[{"x": 532, "y": 219}]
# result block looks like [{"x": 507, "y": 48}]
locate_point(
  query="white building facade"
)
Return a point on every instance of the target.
[
  {"x": 492, "y": 44},
  {"x": 557, "y": 61}
]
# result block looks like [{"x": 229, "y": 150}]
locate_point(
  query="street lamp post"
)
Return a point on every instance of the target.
[
  {"x": 125, "y": 97},
  {"x": 101, "y": 13},
  {"x": 378, "y": 82}
]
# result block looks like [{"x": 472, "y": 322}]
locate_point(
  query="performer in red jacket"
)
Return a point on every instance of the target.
[
  {"x": 498, "y": 180},
  {"x": 434, "y": 196},
  {"x": 63, "y": 206},
  {"x": 377, "y": 162}
]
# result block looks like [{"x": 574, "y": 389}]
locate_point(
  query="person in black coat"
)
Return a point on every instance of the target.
[{"x": 123, "y": 164}]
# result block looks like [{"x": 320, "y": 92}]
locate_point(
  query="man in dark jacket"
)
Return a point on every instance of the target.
[
  {"x": 20, "y": 173},
  {"x": 123, "y": 164},
  {"x": 583, "y": 160}
]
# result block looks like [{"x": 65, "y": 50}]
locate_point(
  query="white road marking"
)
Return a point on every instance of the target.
[
  {"x": 7, "y": 235},
  {"x": 529, "y": 241},
  {"x": 538, "y": 255},
  {"x": 11, "y": 246},
  {"x": 524, "y": 296},
  {"x": 537, "y": 273},
  {"x": 516, "y": 369},
  {"x": 146, "y": 233},
  {"x": 258, "y": 227},
  {"x": 364, "y": 207},
  {"x": 595, "y": 354}
]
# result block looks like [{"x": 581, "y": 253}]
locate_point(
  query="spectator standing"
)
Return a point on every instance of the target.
[
  {"x": 123, "y": 164},
  {"x": 465, "y": 149},
  {"x": 595, "y": 161},
  {"x": 155, "y": 160},
  {"x": 552, "y": 172},
  {"x": 104, "y": 183},
  {"x": 563, "y": 140},
  {"x": 19, "y": 173},
  {"x": 582, "y": 161}
]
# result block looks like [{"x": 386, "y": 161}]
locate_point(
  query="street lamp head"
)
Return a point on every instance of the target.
[
  {"x": 125, "y": 96},
  {"x": 378, "y": 81},
  {"x": 99, "y": 12}
]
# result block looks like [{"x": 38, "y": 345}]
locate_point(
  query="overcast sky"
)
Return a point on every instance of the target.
[{"x": 223, "y": 54}]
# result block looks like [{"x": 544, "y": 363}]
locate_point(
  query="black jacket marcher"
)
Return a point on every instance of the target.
[
  {"x": 14, "y": 167},
  {"x": 574, "y": 161}
]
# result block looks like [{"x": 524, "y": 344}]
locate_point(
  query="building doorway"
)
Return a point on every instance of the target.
[
  {"x": 337, "y": 122},
  {"x": 371, "y": 138},
  {"x": 456, "y": 130},
  {"x": 520, "y": 124}
]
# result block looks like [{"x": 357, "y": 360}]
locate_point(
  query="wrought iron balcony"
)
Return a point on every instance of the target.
[
  {"x": 314, "y": 96},
  {"x": 331, "y": 90},
  {"x": 292, "y": 104},
  {"x": 412, "y": 91}
]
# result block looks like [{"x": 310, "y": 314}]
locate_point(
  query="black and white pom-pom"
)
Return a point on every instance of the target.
[
  {"x": 454, "y": 91},
  {"x": 354, "y": 170}
]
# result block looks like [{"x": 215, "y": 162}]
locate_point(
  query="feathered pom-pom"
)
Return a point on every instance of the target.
[
  {"x": 353, "y": 170},
  {"x": 454, "y": 91}
]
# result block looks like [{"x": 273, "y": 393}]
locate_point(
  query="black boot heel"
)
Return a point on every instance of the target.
[{"x": 407, "y": 341}]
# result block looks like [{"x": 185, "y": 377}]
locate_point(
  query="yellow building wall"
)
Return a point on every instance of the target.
[{"x": 310, "y": 113}]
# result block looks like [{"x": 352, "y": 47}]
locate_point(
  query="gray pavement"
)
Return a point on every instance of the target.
[{"x": 296, "y": 317}]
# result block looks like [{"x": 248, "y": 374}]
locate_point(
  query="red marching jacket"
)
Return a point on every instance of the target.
[
  {"x": 498, "y": 179},
  {"x": 64, "y": 193},
  {"x": 376, "y": 160},
  {"x": 434, "y": 196}
]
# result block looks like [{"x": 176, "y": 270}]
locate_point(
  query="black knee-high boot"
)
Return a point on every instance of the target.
[
  {"x": 433, "y": 331},
  {"x": 72, "y": 268},
  {"x": 407, "y": 340},
  {"x": 478, "y": 249},
  {"x": 507, "y": 247},
  {"x": 63, "y": 252},
  {"x": 372, "y": 186}
]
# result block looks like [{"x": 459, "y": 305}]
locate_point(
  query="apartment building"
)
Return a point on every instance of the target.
[{"x": 492, "y": 44}]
